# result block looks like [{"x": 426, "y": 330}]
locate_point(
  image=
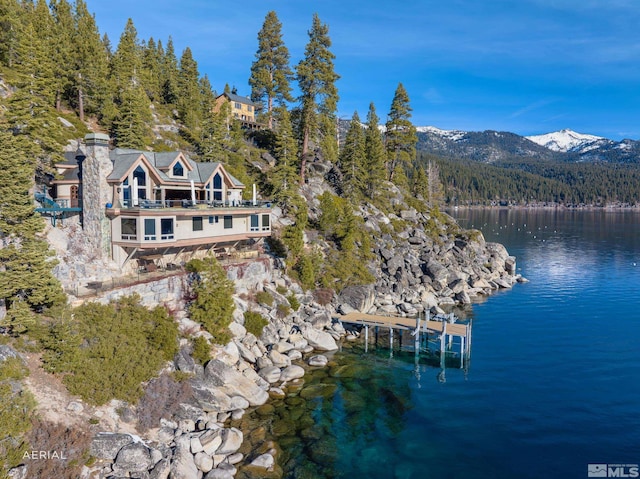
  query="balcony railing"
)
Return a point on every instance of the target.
[{"x": 151, "y": 204}]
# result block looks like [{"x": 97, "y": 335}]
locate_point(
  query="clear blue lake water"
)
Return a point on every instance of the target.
[{"x": 553, "y": 383}]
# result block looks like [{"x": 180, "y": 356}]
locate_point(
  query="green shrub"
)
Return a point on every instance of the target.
[
  {"x": 308, "y": 268},
  {"x": 283, "y": 310},
  {"x": 281, "y": 289},
  {"x": 201, "y": 350},
  {"x": 13, "y": 369},
  {"x": 293, "y": 302},
  {"x": 263, "y": 297},
  {"x": 254, "y": 323},
  {"x": 107, "y": 351},
  {"x": 213, "y": 304}
]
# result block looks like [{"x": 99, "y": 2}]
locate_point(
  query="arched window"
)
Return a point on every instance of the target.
[
  {"x": 178, "y": 169},
  {"x": 141, "y": 175},
  {"x": 217, "y": 187}
]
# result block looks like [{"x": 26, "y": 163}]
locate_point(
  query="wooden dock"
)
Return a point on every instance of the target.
[{"x": 445, "y": 329}]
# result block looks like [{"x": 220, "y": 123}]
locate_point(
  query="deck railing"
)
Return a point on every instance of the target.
[{"x": 150, "y": 204}]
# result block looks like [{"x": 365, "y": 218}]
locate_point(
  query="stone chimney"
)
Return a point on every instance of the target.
[{"x": 96, "y": 193}]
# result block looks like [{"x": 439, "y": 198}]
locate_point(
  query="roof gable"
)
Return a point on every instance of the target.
[
  {"x": 218, "y": 168},
  {"x": 125, "y": 164}
]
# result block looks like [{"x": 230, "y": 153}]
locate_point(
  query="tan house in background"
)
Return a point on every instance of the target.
[{"x": 241, "y": 108}]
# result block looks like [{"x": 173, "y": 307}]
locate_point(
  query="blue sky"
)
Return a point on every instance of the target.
[{"x": 526, "y": 66}]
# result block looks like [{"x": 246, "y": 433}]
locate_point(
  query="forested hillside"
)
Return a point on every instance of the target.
[{"x": 535, "y": 181}]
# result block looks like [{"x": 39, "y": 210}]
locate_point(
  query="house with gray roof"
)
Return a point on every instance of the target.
[{"x": 138, "y": 203}]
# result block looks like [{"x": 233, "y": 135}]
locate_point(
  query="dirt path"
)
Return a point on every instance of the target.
[{"x": 52, "y": 396}]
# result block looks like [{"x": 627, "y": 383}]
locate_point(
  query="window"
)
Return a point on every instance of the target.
[
  {"x": 166, "y": 228},
  {"x": 255, "y": 220},
  {"x": 126, "y": 193},
  {"x": 228, "y": 222},
  {"x": 129, "y": 227},
  {"x": 217, "y": 187},
  {"x": 249, "y": 107},
  {"x": 150, "y": 229},
  {"x": 178, "y": 169},
  {"x": 238, "y": 106},
  {"x": 265, "y": 223},
  {"x": 197, "y": 223},
  {"x": 213, "y": 219},
  {"x": 140, "y": 174}
]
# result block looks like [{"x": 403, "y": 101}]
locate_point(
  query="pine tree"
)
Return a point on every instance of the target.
[
  {"x": 284, "y": 178},
  {"x": 131, "y": 103},
  {"x": 25, "y": 268},
  {"x": 92, "y": 64},
  {"x": 189, "y": 97},
  {"x": 61, "y": 49},
  {"x": 10, "y": 25},
  {"x": 401, "y": 137},
  {"x": 270, "y": 72},
  {"x": 126, "y": 63},
  {"x": 419, "y": 183},
  {"x": 319, "y": 95},
  {"x": 169, "y": 76},
  {"x": 151, "y": 69},
  {"x": 353, "y": 160},
  {"x": 375, "y": 154},
  {"x": 213, "y": 305},
  {"x": 214, "y": 131},
  {"x": 30, "y": 107},
  {"x": 130, "y": 127}
]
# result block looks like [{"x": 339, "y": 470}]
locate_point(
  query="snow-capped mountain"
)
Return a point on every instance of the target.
[
  {"x": 485, "y": 146},
  {"x": 570, "y": 141},
  {"x": 449, "y": 134},
  {"x": 499, "y": 146}
]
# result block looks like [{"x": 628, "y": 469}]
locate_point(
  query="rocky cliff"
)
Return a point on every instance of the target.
[{"x": 430, "y": 264}]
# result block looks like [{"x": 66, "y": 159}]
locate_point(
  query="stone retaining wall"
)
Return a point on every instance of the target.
[{"x": 169, "y": 291}]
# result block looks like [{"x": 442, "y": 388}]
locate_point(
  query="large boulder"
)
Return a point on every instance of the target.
[
  {"x": 292, "y": 372},
  {"x": 394, "y": 264},
  {"x": 497, "y": 250},
  {"x": 278, "y": 359},
  {"x": 360, "y": 298},
  {"x": 231, "y": 441},
  {"x": 133, "y": 457},
  {"x": 106, "y": 445},
  {"x": 319, "y": 340},
  {"x": 161, "y": 470},
  {"x": 271, "y": 374},
  {"x": 436, "y": 271},
  {"x": 233, "y": 383},
  {"x": 320, "y": 320},
  {"x": 183, "y": 465},
  {"x": 211, "y": 398}
]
